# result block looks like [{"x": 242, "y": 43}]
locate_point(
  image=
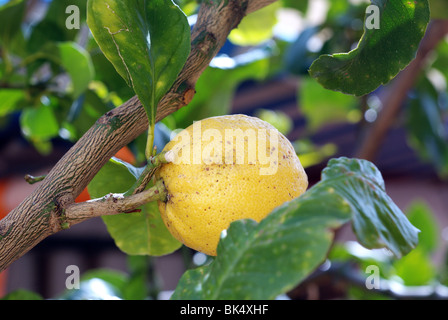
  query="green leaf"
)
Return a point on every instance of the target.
[
  {"x": 148, "y": 43},
  {"x": 11, "y": 16},
  {"x": 39, "y": 124},
  {"x": 11, "y": 100},
  {"x": 137, "y": 233},
  {"x": 381, "y": 53},
  {"x": 22, "y": 294},
  {"x": 377, "y": 220},
  {"x": 263, "y": 260},
  {"x": 256, "y": 27},
  {"x": 139, "y": 282},
  {"x": 277, "y": 118},
  {"x": 70, "y": 56},
  {"x": 421, "y": 216},
  {"x": 53, "y": 27},
  {"x": 415, "y": 269},
  {"x": 57, "y": 16},
  {"x": 77, "y": 62},
  {"x": 301, "y": 5}
]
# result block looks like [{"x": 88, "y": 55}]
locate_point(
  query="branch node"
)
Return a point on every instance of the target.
[{"x": 32, "y": 179}]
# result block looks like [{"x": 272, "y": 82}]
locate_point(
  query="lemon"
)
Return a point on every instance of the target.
[{"x": 223, "y": 169}]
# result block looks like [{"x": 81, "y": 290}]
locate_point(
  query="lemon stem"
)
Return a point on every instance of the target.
[
  {"x": 150, "y": 151},
  {"x": 153, "y": 163}
]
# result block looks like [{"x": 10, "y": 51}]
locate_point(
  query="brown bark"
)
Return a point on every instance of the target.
[{"x": 43, "y": 213}]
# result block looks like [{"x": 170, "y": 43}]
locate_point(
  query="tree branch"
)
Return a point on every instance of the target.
[
  {"x": 111, "y": 204},
  {"x": 39, "y": 215}
]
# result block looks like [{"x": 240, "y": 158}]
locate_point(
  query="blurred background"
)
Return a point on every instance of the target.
[{"x": 55, "y": 83}]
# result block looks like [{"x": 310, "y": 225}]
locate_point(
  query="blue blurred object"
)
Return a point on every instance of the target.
[{"x": 162, "y": 136}]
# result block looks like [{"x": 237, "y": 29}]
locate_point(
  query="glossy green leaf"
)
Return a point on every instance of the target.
[
  {"x": 148, "y": 43},
  {"x": 263, "y": 260},
  {"x": 137, "y": 233},
  {"x": 388, "y": 44},
  {"x": 377, "y": 221}
]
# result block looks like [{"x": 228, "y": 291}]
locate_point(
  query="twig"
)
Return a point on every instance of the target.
[
  {"x": 32, "y": 179},
  {"x": 112, "y": 204}
]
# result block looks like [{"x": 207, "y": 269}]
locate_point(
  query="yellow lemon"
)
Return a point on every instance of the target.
[{"x": 223, "y": 169}]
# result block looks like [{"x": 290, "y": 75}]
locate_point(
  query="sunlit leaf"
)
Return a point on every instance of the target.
[
  {"x": 421, "y": 216},
  {"x": 148, "y": 43},
  {"x": 415, "y": 269},
  {"x": 388, "y": 44}
]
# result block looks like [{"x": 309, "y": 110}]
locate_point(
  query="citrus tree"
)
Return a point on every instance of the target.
[{"x": 132, "y": 71}]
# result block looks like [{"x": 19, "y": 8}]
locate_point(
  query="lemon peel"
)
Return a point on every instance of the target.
[{"x": 204, "y": 198}]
